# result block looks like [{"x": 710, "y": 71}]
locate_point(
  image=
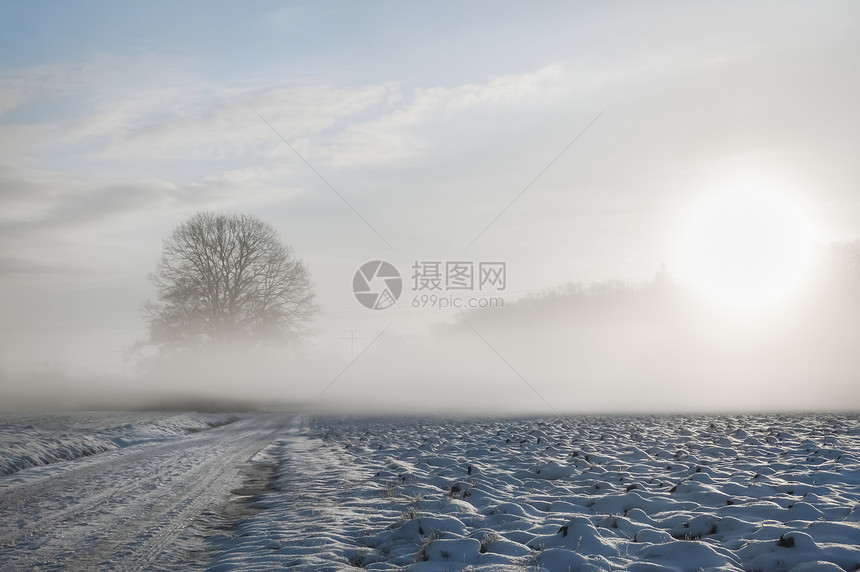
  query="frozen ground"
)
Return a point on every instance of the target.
[
  {"x": 749, "y": 493},
  {"x": 143, "y": 492},
  {"x": 172, "y": 492},
  {"x": 33, "y": 440}
]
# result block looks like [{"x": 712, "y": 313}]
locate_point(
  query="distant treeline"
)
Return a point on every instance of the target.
[{"x": 831, "y": 289}]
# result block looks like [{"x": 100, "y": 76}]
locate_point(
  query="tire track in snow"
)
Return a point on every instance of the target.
[
  {"x": 129, "y": 509},
  {"x": 208, "y": 493},
  {"x": 13, "y": 502}
]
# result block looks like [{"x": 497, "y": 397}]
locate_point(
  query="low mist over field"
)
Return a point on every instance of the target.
[
  {"x": 605, "y": 347},
  {"x": 430, "y": 208}
]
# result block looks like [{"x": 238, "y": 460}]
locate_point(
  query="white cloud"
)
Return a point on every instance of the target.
[
  {"x": 13, "y": 92},
  {"x": 181, "y": 122},
  {"x": 394, "y": 136},
  {"x": 186, "y": 123},
  {"x": 23, "y": 86}
]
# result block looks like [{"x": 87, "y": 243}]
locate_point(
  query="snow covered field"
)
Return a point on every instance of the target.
[
  {"x": 769, "y": 493},
  {"x": 745, "y": 493}
]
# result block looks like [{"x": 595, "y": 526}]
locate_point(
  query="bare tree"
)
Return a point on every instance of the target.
[{"x": 224, "y": 279}]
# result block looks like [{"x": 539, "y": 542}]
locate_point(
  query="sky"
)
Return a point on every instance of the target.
[{"x": 575, "y": 142}]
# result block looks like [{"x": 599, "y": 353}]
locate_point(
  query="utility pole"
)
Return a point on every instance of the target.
[
  {"x": 124, "y": 351},
  {"x": 352, "y": 340}
]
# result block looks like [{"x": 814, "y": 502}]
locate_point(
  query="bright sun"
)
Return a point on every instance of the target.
[{"x": 747, "y": 249}]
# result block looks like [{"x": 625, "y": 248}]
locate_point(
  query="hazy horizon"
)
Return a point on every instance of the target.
[{"x": 549, "y": 145}]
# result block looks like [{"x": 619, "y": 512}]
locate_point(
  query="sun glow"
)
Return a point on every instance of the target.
[{"x": 748, "y": 249}]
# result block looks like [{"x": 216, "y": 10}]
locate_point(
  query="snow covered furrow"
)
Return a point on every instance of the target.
[{"x": 751, "y": 493}]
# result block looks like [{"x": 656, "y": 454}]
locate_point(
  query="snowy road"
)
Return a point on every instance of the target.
[{"x": 132, "y": 509}]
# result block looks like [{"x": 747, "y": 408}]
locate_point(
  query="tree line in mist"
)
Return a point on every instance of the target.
[{"x": 831, "y": 290}]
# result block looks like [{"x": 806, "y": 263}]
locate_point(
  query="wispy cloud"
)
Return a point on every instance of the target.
[
  {"x": 20, "y": 87},
  {"x": 186, "y": 121},
  {"x": 15, "y": 266},
  {"x": 395, "y": 135}
]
